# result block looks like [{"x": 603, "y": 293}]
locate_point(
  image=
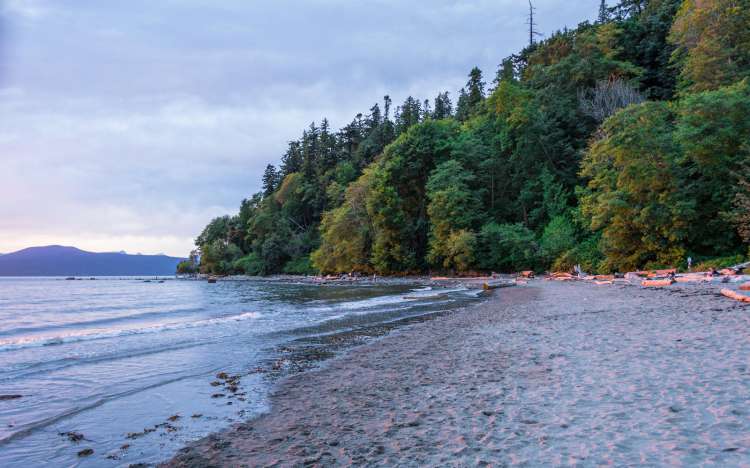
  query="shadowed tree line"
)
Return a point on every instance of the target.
[{"x": 618, "y": 145}]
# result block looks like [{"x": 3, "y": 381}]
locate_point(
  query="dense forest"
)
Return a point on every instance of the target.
[{"x": 619, "y": 145}]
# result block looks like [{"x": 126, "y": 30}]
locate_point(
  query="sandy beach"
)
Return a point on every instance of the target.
[{"x": 548, "y": 373}]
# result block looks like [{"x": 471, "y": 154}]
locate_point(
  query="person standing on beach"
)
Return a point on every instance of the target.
[{"x": 690, "y": 263}]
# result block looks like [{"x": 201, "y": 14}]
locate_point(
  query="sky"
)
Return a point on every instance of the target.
[{"x": 129, "y": 125}]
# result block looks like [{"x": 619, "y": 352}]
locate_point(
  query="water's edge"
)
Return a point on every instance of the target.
[
  {"x": 312, "y": 353},
  {"x": 134, "y": 370}
]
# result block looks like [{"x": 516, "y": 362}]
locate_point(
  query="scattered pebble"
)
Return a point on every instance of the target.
[{"x": 73, "y": 436}]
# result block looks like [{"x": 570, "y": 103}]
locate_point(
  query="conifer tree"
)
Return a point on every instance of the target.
[
  {"x": 292, "y": 159},
  {"x": 443, "y": 107},
  {"x": 603, "y": 12},
  {"x": 470, "y": 98},
  {"x": 270, "y": 180},
  {"x": 408, "y": 115},
  {"x": 463, "y": 110},
  {"x": 475, "y": 89},
  {"x": 506, "y": 71},
  {"x": 426, "y": 111}
]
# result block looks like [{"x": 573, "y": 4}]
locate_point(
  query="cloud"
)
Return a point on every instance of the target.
[
  {"x": 28, "y": 9},
  {"x": 128, "y": 125}
]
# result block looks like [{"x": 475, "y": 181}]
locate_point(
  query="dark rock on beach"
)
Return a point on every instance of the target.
[{"x": 73, "y": 436}]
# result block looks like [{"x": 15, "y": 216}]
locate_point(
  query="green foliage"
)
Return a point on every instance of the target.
[
  {"x": 643, "y": 40},
  {"x": 559, "y": 237},
  {"x": 217, "y": 229},
  {"x": 250, "y": 265},
  {"x": 561, "y": 164},
  {"x": 507, "y": 247},
  {"x": 186, "y": 267},
  {"x": 740, "y": 214},
  {"x": 459, "y": 250},
  {"x": 299, "y": 266},
  {"x": 452, "y": 211},
  {"x": 443, "y": 107},
  {"x": 397, "y": 203},
  {"x": 270, "y": 180},
  {"x": 714, "y": 126},
  {"x": 586, "y": 253},
  {"x": 635, "y": 197},
  {"x": 713, "y": 43},
  {"x": 713, "y": 131},
  {"x": 346, "y": 232},
  {"x": 719, "y": 262}
]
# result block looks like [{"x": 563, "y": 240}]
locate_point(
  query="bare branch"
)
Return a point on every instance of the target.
[{"x": 607, "y": 97}]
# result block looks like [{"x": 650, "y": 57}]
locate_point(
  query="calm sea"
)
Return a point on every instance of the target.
[{"x": 114, "y": 359}]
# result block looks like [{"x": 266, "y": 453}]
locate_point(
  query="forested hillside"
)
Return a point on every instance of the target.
[{"x": 618, "y": 145}]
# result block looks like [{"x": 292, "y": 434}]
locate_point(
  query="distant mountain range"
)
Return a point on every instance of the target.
[{"x": 56, "y": 260}]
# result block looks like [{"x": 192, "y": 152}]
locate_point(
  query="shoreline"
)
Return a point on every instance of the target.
[
  {"x": 546, "y": 373},
  {"x": 237, "y": 342}
]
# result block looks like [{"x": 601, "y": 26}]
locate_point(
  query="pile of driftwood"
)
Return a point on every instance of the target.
[
  {"x": 652, "y": 278},
  {"x": 562, "y": 276},
  {"x": 668, "y": 277}
]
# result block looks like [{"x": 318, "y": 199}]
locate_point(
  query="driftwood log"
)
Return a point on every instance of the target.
[
  {"x": 735, "y": 295},
  {"x": 657, "y": 283},
  {"x": 657, "y": 273}
]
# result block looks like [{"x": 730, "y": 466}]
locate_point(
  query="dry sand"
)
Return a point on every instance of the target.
[{"x": 549, "y": 373}]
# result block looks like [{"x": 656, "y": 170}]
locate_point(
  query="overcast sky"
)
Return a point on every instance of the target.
[{"x": 129, "y": 125}]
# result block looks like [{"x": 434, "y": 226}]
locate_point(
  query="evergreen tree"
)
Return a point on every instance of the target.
[
  {"x": 443, "y": 107},
  {"x": 426, "y": 111},
  {"x": 506, "y": 71},
  {"x": 292, "y": 159},
  {"x": 603, "y": 12},
  {"x": 629, "y": 8},
  {"x": 408, "y": 115},
  {"x": 643, "y": 41},
  {"x": 463, "y": 110},
  {"x": 475, "y": 90},
  {"x": 270, "y": 180},
  {"x": 310, "y": 151},
  {"x": 374, "y": 120}
]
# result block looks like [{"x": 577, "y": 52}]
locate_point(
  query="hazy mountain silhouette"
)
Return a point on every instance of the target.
[{"x": 56, "y": 260}]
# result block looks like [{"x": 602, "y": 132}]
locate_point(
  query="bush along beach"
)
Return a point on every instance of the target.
[{"x": 620, "y": 145}]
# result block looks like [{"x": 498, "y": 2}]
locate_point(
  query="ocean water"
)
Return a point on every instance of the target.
[{"x": 129, "y": 364}]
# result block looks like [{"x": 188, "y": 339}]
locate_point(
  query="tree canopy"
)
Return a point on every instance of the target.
[{"x": 615, "y": 145}]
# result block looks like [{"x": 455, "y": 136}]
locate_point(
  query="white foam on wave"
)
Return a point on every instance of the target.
[
  {"x": 416, "y": 297},
  {"x": 102, "y": 333},
  {"x": 473, "y": 292}
]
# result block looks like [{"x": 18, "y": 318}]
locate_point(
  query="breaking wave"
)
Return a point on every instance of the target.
[{"x": 98, "y": 334}]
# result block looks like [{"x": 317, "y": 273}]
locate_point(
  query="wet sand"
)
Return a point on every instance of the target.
[{"x": 549, "y": 373}]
